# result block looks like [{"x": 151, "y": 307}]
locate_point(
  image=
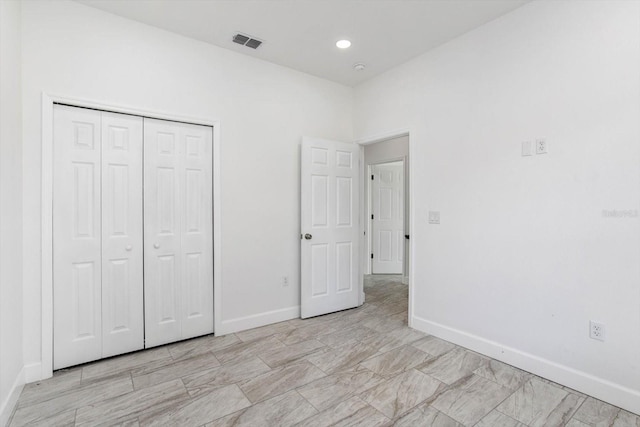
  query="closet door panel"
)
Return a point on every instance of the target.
[
  {"x": 77, "y": 264},
  {"x": 162, "y": 225},
  {"x": 122, "y": 263},
  {"x": 197, "y": 231}
]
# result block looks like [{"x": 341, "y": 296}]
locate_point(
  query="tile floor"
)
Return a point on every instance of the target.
[{"x": 360, "y": 367}]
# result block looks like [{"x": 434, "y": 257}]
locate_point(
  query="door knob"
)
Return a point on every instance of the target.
[
  {"x": 128, "y": 247},
  {"x": 308, "y": 236},
  {"x": 156, "y": 245}
]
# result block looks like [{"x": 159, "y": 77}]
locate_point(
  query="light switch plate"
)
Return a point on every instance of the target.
[
  {"x": 527, "y": 148},
  {"x": 434, "y": 217}
]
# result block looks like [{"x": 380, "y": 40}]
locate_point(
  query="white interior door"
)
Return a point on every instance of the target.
[
  {"x": 77, "y": 261},
  {"x": 197, "y": 231},
  {"x": 387, "y": 197},
  {"x": 122, "y": 275},
  {"x": 330, "y": 232},
  {"x": 178, "y": 237},
  {"x": 97, "y": 249}
]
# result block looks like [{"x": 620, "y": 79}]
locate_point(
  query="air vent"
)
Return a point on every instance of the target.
[{"x": 247, "y": 41}]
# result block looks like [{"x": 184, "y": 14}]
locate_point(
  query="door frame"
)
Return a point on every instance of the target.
[
  {"x": 369, "y": 226},
  {"x": 364, "y": 211},
  {"x": 46, "y": 261}
]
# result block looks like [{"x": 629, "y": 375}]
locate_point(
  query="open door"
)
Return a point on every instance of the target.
[{"x": 330, "y": 235}]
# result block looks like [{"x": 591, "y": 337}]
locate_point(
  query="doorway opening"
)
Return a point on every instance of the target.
[{"x": 386, "y": 202}]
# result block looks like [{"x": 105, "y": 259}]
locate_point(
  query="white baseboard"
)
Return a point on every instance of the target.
[
  {"x": 405, "y": 280},
  {"x": 257, "y": 320},
  {"x": 599, "y": 388},
  {"x": 33, "y": 372},
  {"x": 6, "y": 407}
]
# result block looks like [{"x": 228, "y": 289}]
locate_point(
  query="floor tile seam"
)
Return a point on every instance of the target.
[
  {"x": 495, "y": 408},
  {"x": 173, "y": 406},
  {"x": 389, "y": 379},
  {"x": 258, "y": 338},
  {"x": 268, "y": 398},
  {"x": 308, "y": 401},
  {"x": 506, "y": 415},
  {"x": 215, "y": 387},
  {"x": 580, "y": 406},
  {"x": 376, "y": 409},
  {"x": 137, "y": 413},
  {"x": 318, "y": 411},
  {"x": 501, "y": 385},
  {"x": 327, "y": 373},
  {"x": 408, "y": 345},
  {"x": 575, "y": 410},
  {"x": 160, "y": 368},
  {"x": 75, "y": 408},
  {"x": 502, "y": 413},
  {"x": 304, "y": 357},
  {"x": 271, "y": 368}
]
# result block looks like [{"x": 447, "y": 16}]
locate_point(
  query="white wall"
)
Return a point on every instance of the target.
[
  {"x": 264, "y": 110},
  {"x": 11, "y": 376},
  {"x": 523, "y": 257}
]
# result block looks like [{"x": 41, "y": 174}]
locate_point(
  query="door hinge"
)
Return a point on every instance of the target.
[
  {"x": 371, "y": 216},
  {"x": 371, "y": 256},
  {"x": 371, "y": 177}
]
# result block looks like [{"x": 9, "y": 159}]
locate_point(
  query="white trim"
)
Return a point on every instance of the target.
[
  {"x": 33, "y": 372},
  {"x": 363, "y": 238},
  {"x": 599, "y": 388},
  {"x": 46, "y": 365},
  {"x": 257, "y": 320},
  {"x": 9, "y": 404},
  {"x": 385, "y": 136}
]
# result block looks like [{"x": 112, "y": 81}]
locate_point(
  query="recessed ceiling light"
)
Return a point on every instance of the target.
[
  {"x": 359, "y": 67},
  {"x": 343, "y": 44}
]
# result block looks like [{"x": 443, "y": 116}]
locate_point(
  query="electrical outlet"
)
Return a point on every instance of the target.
[
  {"x": 434, "y": 217},
  {"x": 597, "y": 331},
  {"x": 541, "y": 146},
  {"x": 285, "y": 281}
]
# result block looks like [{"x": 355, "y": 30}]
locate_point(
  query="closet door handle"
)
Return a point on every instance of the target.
[
  {"x": 128, "y": 248},
  {"x": 156, "y": 245}
]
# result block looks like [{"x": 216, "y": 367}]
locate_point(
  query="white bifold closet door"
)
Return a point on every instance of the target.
[
  {"x": 97, "y": 235},
  {"x": 178, "y": 231}
]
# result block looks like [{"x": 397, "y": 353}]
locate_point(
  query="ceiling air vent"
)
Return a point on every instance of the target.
[{"x": 246, "y": 41}]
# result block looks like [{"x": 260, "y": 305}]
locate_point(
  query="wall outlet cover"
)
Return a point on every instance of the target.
[
  {"x": 541, "y": 146},
  {"x": 597, "y": 331},
  {"x": 434, "y": 217}
]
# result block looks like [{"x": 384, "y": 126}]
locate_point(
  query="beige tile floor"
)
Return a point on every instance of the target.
[{"x": 361, "y": 367}]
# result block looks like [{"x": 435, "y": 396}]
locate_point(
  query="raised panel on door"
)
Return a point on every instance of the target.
[
  {"x": 197, "y": 230},
  {"x": 77, "y": 260},
  {"x": 162, "y": 230},
  {"x": 122, "y": 263},
  {"x": 329, "y": 212},
  {"x": 388, "y": 218}
]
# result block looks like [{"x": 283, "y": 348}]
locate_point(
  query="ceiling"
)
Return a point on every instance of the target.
[{"x": 301, "y": 34}]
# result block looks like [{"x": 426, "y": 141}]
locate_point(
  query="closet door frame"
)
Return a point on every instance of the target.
[{"x": 44, "y": 370}]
